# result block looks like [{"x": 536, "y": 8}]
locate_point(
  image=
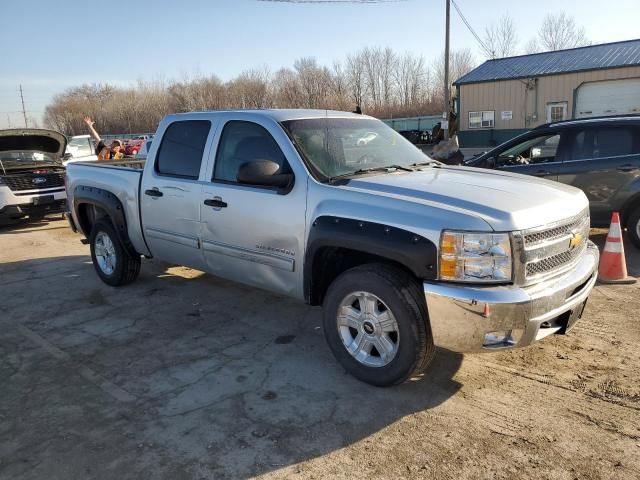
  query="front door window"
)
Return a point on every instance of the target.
[{"x": 541, "y": 149}]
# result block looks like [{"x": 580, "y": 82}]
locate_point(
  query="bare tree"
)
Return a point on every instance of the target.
[
  {"x": 250, "y": 89},
  {"x": 500, "y": 39},
  {"x": 410, "y": 78},
  {"x": 460, "y": 63},
  {"x": 379, "y": 80},
  {"x": 287, "y": 92},
  {"x": 559, "y": 31},
  {"x": 532, "y": 46},
  {"x": 315, "y": 82},
  {"x": 355, "y": 76}
]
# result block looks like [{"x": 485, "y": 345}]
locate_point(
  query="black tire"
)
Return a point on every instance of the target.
[
  {"x": 633, "y": 227},
  {"x": 401, "y": 294},
  {"x": 127, "y": 266}
]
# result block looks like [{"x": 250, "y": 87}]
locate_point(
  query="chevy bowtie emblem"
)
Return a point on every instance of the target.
[{"x": 576, "y": 240}]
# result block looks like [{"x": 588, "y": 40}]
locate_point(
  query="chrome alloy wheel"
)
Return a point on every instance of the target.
[
  {"x": 368, "y": 329},
  {"x": 105, "y": 253}
]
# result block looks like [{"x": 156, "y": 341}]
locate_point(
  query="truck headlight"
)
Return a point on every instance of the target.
[{"x": 475, "y": 257}]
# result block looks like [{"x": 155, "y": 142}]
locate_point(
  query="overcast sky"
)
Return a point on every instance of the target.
[{"x": 48, "y": 46}]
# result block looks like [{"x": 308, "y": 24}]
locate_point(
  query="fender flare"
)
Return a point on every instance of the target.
[
  {"x": 418, "y": 254},
  {"x": 111, "y": 204}
]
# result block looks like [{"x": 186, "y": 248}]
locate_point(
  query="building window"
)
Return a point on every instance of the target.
[
  {"x": 483, "y": 119},
  {"x": 556, "y": 112}
]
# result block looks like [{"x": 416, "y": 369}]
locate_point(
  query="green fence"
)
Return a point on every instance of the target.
[{"x": 426, "y": 122}]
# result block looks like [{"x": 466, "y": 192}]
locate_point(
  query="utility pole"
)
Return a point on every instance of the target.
[
  {"x": 446, "y": 73},
  {"x": 24, "y": 112}
]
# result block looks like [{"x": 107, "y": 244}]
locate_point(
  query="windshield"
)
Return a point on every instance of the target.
[
  {"x": 342, "y": 146},
  {"x": 29, "y": 157}
]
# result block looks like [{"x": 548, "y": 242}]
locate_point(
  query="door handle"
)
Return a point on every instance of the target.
[
  {"x": 215, "y": 202},
  {"x": 542, "y": 173},
  {"x": 627, "y": 168},
  {"x": 154, "y": 192}
]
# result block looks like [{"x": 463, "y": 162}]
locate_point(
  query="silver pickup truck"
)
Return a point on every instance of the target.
[{"x": 403, "y": 253}]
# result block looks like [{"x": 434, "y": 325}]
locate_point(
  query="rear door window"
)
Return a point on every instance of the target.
[
  {"x": 180, "y": 152},
  {"x": 604, "y": 142}
]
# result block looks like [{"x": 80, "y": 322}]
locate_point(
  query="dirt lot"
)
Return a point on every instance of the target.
[{"x": 183, "y": 375}]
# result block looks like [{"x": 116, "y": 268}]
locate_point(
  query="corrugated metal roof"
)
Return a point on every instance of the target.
[{"x": 594, "y": 57}]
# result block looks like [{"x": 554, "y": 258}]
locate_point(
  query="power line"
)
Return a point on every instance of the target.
[
  {"x": 333, "y": 1},
  {"x": 473, "y": 32},
  {"x": 500, "y": 64}
]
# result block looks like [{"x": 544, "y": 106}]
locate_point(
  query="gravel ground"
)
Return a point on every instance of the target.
[{"x": 183, "y": 375}]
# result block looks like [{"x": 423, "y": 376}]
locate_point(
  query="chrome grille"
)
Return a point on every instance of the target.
[
  {"x": 572, "y": 225},
  {"x": 554, "y": 262},
  {"x": 552, "y": 250}
]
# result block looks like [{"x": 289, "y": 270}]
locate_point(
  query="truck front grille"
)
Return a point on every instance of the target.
[
  {"x": 556, "y": 248},
  {"x": 554, "y": 262},
  {"x": 546, "y": 235},
  {"x": 34, "y": 181}
]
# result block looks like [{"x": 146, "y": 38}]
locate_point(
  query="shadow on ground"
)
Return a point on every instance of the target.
[
  {"x": 21, "y": 224},
  {"x": 179, "y": 375}
]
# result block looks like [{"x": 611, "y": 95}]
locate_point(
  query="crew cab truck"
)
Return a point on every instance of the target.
[{"x": 404, "y": 254}]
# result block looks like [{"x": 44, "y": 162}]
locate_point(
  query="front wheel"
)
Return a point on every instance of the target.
[
  {"x": 114, "y": 265},
  {"x": 375, "y": 322},
  {"x": 633, "y": 227}
]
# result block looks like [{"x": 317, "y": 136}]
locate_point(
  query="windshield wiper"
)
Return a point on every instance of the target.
[
  {"x": 361, "y": 171},
  {"x": 423, "y": 164}
]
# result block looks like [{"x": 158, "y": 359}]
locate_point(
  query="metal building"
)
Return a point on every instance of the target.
[{"x": 505, "y": 97}]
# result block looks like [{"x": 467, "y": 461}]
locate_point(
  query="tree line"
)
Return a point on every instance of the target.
[
  {"x": 558, "y": 31},
  {"x": 384, "y": 83}
]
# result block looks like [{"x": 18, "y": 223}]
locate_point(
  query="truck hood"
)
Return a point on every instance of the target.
[
  {"x": 33, "y": 140},
  {"x": 506, "y": 201}
]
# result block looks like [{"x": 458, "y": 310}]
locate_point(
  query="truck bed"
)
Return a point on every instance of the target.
[{"x": 120, "y": 177}]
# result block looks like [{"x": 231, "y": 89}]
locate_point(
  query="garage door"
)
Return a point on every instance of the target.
[{"x": 611, "y": 97}]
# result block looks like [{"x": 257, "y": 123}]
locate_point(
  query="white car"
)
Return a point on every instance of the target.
[{"x": 80, "y": 149}]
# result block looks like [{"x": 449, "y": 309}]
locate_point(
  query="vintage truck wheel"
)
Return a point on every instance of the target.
[
  {"x": 633, "y": 227},
  {"x": 115, "y": 266},
  {"x": 375, "y": 322}
]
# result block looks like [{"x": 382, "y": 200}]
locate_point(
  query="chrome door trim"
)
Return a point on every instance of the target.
[
  {"x": 270, "y": 259},
  {"x": 172, "y": 237}
]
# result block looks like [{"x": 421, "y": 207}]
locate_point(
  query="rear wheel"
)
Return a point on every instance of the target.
[
  {"x": 114, "y": 265},
  {"x": 375, "y": 322},
  {"x": 633, "y": 227}
]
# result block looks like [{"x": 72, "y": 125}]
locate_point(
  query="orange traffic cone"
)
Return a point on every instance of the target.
[{"x": 613, "y": 267}]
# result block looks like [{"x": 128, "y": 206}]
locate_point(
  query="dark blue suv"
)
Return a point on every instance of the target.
[{"x": 601, "y": 156}]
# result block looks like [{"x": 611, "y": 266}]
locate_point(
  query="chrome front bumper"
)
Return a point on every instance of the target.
[{"x": 473, "y": 319}]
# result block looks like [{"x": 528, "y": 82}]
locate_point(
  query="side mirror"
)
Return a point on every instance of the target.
[
  {"x": 263, "y": 173},
  {"x": 491, "y": 162}
]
